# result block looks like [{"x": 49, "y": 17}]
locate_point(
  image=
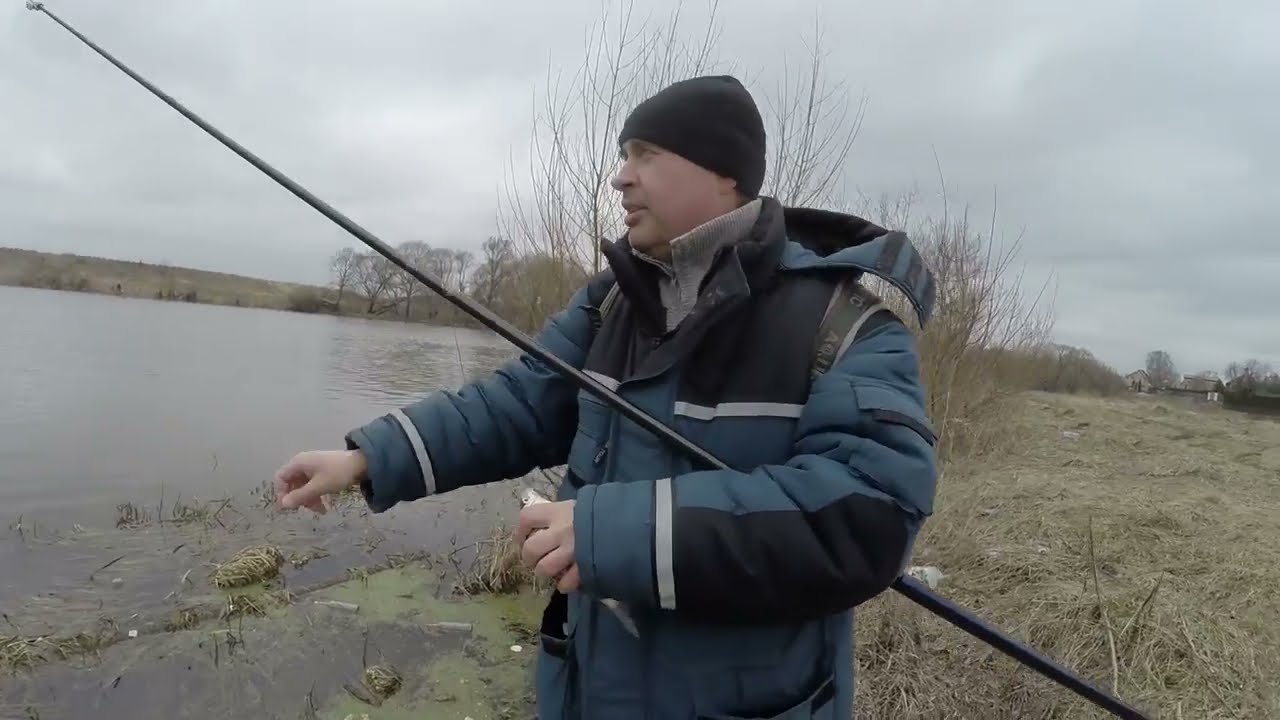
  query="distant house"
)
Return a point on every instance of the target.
[
  {"x": 1139, "y": 381},
  {"x": 1198, "y": 383},
  {"x": 1199, "y": 387}
]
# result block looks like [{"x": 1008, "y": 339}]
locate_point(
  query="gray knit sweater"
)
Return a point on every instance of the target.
[{"x": 691, "y": 256}]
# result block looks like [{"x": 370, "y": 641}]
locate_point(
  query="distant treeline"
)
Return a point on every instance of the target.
[{"x": 522, "y": 287}]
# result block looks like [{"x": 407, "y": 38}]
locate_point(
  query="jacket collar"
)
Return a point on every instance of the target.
[{"x": 744, "y": 267}]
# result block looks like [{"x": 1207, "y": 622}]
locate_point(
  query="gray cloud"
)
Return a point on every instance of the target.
[{"x": 1128, "y": 141}]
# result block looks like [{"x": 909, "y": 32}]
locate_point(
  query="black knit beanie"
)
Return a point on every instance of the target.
[{"x": 711, "y": 121}]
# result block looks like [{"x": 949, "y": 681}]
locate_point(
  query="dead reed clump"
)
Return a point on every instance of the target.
[
  {"x": 254, "y": 604},
  {"x": 185, "y": 619},
  {"x": 18, "y": 653},
  {"x": 383, "y": 680},
  {"x": 251, "y": 565},
  {"x": 497, "y": 568}
]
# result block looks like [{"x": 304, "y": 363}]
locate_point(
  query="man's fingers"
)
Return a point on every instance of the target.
[
  {"x": 306, "y": 496},
  {"x": 555, "y": 562},
  {"x": 536, "y": 546},
  {"x": 534, "y": 517},
  {"x": 570, "y": 581}
]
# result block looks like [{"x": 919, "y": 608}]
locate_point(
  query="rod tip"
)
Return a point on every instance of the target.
[{"x": 34, "y": 5}]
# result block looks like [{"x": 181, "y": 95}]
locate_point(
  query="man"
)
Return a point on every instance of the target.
[{"x": 740, "y": 583}]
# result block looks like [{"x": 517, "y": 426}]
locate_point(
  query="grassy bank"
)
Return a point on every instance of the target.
[
  {"x": 28, "y": 268},
  {"x": 1134, "y": 540}
]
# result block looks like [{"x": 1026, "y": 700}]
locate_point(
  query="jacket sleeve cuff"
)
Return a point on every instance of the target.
[
  {"x": 394, "y": 466},
  {"x": 614, "y": 541}
]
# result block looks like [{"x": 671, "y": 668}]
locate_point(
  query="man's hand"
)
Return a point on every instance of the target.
[
  {"x": 309, "y": 476},
  {"x": 545, "y": 534}
]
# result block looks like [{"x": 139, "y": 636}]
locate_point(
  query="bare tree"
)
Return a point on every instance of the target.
[
  {"x": 811, "y": 130},
  {"x": 496, "y": 267},
  {"x": 1248, "y": 375},
  {"x": 461, "y": 270},
  {"x": 404, "y": 287},
  {"x": 343, "y": 266},
  {"x": 569, "y": 205},
  {"x": 375, "y": 276},
  {"x": 1160, "y": 369}
]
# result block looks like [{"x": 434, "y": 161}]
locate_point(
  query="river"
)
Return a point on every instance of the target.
[{"x": 106, "y": 400}]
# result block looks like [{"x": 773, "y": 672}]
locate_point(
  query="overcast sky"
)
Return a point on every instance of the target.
[{"x": 1133, "y": 144}]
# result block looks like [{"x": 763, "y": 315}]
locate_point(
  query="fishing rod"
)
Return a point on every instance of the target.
[{"x": 909, "y": 587}]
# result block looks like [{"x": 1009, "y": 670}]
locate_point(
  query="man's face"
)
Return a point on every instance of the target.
[{"x": 665, "y": 196}]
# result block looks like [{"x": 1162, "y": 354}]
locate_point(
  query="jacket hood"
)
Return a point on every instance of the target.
[
  {"x": 827, "y": 232},
  {"x": 829, "y": 240}
]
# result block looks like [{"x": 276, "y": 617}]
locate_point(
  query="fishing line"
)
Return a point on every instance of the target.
[{"x": 909, "y": 587}]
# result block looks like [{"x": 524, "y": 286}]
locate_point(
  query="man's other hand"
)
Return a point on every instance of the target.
[{"x": 310, "y": 475}]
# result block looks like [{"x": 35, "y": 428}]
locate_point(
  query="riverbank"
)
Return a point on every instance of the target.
[
  {"x": 226, "y": 608},
  {"x": 1134, "y": 540},
  {"x": 124, "y": 278},
  {"x": 79, "y": 273}
]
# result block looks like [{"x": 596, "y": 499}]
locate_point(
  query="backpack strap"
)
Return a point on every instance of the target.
[
  {"x": 609, "y": 299},
  {"x": 850, "y": 307}
]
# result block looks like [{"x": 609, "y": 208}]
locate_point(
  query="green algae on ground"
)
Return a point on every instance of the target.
[
  {"x": 484, "y": 679},
  {"x": 301, "y": 655}
]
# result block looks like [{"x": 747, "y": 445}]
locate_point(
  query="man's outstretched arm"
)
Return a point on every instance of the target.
[
  {"x": 822, "y": 532},
  {"x": 502, "y": 426}
]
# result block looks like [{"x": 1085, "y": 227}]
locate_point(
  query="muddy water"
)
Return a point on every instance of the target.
[
  {"x": 171, "y": 408},
  {"x": 105, "y": 400}
]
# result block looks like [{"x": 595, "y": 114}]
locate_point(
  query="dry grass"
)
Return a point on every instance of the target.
[
  {"x": 497, "y": 568},
  {"x": 131, "y": 515},
  {"x": 18, "y": 653},
  {"x": 254, "y": 604},
  {"x": 1144, "y": 554},
  {"x": 251, "y": 565}
]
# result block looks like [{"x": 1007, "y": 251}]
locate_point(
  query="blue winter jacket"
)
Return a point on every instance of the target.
[{"x": 741, "y": 582}]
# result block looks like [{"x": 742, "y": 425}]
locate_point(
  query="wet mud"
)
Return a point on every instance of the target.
[
  {"x": 153, "y": 637},
  {"x": 455, "y": 656}
]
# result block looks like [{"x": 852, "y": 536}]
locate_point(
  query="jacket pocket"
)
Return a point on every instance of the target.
[
  {"x": 885, "y": 405},
  {"x": 590, "y": 440},
  {"x": 818, "y": 705}
]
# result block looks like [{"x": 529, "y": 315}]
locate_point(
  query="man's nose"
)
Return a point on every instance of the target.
[{"x": 621, "y": 179}]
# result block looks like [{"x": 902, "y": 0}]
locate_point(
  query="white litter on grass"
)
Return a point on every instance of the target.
[
  {"x": 349, "y": 607},
  {"x": 133, "y": 633},
  {"x": 926, "y": 574},
  {"x": 516, "y": 648}
]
